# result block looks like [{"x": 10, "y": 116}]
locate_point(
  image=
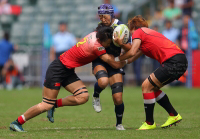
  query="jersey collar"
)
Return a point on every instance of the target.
[{"x": 115, "y": 22}]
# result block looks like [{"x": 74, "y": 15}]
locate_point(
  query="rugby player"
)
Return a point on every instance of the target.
[
  {"x": 173, "y": 65},
  {"x": 61, "y": 72},
  {"x": 106, "y": 74}
]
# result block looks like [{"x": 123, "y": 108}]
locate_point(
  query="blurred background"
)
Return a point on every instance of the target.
[{"x": 31, "y": 30}]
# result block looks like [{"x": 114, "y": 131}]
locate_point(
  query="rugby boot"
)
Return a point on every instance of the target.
[
  {"x": 96, "y": 104},
  {"x": 146, "y": 126},
  {"x": 50, "y": 114},
  {"x": 120, "y": 127},
  {"x": 15, "y": 126},
  {"x": 172, "y": 120}
]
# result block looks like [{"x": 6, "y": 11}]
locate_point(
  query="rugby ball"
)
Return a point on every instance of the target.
[{"x": 120, "y": 31}]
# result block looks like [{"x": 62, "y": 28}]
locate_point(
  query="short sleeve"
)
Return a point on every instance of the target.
[
  {"x": 137, "y": 34},
  {"x": 99, "y": 51}
]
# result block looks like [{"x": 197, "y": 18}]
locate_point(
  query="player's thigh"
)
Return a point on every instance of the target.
[
  {"x": 116, "y": 78},
  {"x": 156, "y": 80},
  {"x": 50, "y": 94},
  {"x": 151, "y": 84},
  {"x": 98, "y": 68},
  {"x": 78, "y": 89}
]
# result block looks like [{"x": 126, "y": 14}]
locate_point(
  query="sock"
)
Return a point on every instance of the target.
[
  {"x": 21, "y": 120},
  {"x": 163, "y": 100},
  {"x": 58, "y": 103},
  {"x": 119, "y": 110},
  {"x": 149, "y": 103},
  {"x": 97, "y": 90}
]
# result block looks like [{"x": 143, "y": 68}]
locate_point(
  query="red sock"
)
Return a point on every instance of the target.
[
  {"x": 21, "y": 119},
  {"x": 171, "y": 114},
  {"x": 59, "y": 103}
]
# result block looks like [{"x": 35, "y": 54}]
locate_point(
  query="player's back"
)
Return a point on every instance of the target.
[
  {"x": 84, "y": 52},
  {"x": 156, "y": 45}
]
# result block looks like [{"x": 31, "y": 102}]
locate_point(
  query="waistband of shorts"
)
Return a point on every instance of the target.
[
  {"x": 171, "y": 58},
  {"x": 64, "y": 65}
]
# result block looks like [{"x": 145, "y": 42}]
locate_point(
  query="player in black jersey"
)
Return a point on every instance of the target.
[{"x": 105, "y": 74}]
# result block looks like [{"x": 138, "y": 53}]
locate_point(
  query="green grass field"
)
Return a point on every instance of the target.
[{"x": 83, "y": 122}]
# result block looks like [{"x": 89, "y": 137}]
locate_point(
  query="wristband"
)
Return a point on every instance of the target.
[
  {"x": 117, "y": 59},
  {"x": 126, "y": 61}
]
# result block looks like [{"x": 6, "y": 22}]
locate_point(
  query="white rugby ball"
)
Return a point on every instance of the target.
[{"x": 120, "y": 31}]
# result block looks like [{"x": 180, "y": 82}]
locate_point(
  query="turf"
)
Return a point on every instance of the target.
[{"x": 83, "y": 122}]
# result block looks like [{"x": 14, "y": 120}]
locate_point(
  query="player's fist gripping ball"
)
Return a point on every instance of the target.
[{"x": 121, "y": 31}]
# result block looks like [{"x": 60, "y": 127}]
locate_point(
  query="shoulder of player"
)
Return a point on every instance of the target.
[
  {"x": 119, "y": 22},
  {"x": 141, "y": 30},
  {"x": 116, "y": 23},
  {"x": 98, "y": 46}
]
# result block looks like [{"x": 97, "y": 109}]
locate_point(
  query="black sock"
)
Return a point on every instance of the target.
[
  {"x": 149, "y": 108},
  {"x": 119, "y": 110},
  {"x": 165, "y": 103},
  {"x": 97, "y": 90}
]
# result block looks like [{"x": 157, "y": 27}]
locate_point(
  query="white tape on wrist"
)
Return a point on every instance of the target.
[
  {"x": 126, "y": 61},
  {"x": 117, "y": 59}
]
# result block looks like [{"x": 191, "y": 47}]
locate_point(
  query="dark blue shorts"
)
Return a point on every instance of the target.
[{"x": 111, "y": 71}]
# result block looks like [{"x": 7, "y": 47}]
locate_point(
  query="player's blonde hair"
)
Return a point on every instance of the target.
[{"x": 137, "y": 22}]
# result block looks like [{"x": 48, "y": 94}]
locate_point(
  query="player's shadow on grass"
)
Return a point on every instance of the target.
[{"x": 77, "y": 128}]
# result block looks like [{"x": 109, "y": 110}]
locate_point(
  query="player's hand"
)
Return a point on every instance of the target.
[{"x": 118, "y": 40}]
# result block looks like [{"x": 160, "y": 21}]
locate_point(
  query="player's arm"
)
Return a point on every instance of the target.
[
  {"x": 111, "y": 61},
  {"x": 132, "y": 52},
  {"x": 126, "y": 46},
  {"x": 135, "y": 57}
]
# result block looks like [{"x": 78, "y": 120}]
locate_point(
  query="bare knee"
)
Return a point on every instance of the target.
[
  {"x": 117, "y": 100},
  {"x": 145, "y": 88},
  {"x": 82, "y": 98},
  {"x": 103, "y": 82}
]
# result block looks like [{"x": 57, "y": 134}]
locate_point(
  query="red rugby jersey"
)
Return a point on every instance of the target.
[
  {"x": 155, "y": 45},
  {"x": 84, "y": 52}
]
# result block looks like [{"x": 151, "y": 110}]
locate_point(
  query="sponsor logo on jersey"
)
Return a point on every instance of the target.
[
  {"x": 57, "y": 84},
  {"x": 101, "y": 48}
]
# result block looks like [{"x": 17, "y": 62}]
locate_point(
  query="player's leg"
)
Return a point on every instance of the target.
[
  {"x": 152, "y": 93},
  {"x": 49, "y": 99},
  {"x": 162, "y": 77},
  {"x": 148, "y": 91},
  {"x": 116, "y": 83},
  {"x": 80, "y": 95},
  {"x": 101, "y": 75}
]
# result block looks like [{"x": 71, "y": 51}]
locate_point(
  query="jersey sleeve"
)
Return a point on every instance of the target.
[
  {"x": 137, "y": 34},
  {"x": 100, "y": 50}
]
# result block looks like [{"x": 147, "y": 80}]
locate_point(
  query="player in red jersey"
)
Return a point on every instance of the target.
[
  {"x": 61, "y": 72},
  {"x": 173, "y": 65}
]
